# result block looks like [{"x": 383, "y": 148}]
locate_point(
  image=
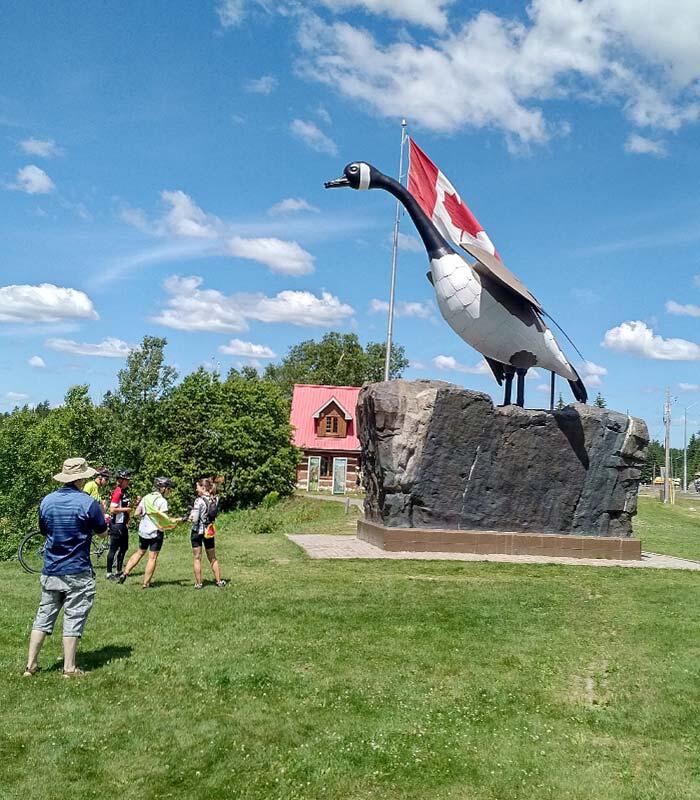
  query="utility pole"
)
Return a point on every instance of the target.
[
  {"x": 390, "y": 323},
  {"x": 667, "y": 445}
]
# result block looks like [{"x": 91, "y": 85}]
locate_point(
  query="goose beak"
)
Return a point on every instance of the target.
[{"x": 337, "y": 183}]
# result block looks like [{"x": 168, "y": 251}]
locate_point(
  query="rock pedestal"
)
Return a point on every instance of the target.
[{"x": 439, "y": 457}]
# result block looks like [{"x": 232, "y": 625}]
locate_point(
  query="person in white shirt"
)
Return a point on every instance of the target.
[{"x": 153, "y": 510}]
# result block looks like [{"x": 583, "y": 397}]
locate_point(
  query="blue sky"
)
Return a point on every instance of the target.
[{"x": 161, "y": 172}]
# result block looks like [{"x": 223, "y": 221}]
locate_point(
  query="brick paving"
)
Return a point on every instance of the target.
[{"x": 319, "y": 545}]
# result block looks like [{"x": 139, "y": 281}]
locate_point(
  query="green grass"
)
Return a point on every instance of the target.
[
  {"x": 670, "y": 529},
  {"x": 360, "y": 679}
]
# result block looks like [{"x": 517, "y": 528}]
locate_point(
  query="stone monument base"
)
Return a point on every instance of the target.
[{"x": 492, "y": 542}]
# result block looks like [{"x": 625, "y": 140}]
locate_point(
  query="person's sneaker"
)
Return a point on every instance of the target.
[
  {"x": 109, "y": 576},
  {"x": 198, "y": 585},
  {"x": 122, "y": 577},
  {"x": 147, "y": 586},
  {"x": 221, "y": 584}
]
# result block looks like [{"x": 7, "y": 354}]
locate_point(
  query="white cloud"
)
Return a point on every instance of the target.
[
  {"x": 231, "y": 13},
  {"x": 450, "y": 363},
  {"x": 190, "y": 308},
  {"x": 688, "y": 310},
  {"x": 291, "y": 205},
  {"x": 287, "y": 258},
  {"x": 265, "y": 84},
  {"x": 36, "y": 361},
  {"x": 643, "y": 146},
  {"x": 409, "y": 243},
  {"x": 638, "y": 339},
  {"x": 402, "y": 308},
  {"x": 43, "y": 303},
  {"x": 491, "y": 71},
  {"x": 16, "y": 397},
  {"x": 313, "y": 136},
  {"x": 186, "y": 218},
  {"x": 32, "y": 180},
  {"x": 689, "y": 387},
  {"x": 430, "y": 13},
  {"x": 592, "y": 374},
  {"x": 44, "y": 148},
  {"x": 237, "y": 347},
  {"x": 107, "y": 348},
  {"x": 417, "y": 365}
]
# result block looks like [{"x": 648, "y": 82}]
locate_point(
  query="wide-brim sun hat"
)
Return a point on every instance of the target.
[{"x": 74, "y": 469}]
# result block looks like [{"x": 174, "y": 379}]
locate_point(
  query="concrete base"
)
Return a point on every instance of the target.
[{"x": 517, "y": 544}]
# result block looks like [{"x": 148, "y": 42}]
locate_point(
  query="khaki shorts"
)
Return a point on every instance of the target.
[{"x": 74, "y": 594}]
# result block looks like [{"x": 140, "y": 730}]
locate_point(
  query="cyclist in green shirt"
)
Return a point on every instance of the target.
[{"x": 98, "y": 482}]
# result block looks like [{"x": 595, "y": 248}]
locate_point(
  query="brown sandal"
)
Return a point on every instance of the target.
[
  {"x": 75, "y": 673},
  {"x": 30, "y": 672}
]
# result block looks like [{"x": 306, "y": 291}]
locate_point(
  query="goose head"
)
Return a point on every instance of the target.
[{"x": 356, "y": 175}]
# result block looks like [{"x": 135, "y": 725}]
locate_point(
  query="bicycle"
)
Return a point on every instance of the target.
[{"x": 31, "y": 550}]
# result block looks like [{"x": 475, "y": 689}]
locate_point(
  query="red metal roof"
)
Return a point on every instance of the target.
[{"x": 306, "y": 401}]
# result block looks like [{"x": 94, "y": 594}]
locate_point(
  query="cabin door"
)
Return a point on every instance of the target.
[
  {"x": 340, "y": 471},
  {"x": 314, "y": 473}
]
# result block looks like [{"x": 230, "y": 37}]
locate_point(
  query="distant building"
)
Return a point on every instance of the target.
[{"x": 325, "y": 429}]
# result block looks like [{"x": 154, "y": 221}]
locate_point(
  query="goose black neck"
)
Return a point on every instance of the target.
[{"x": 435, "y": 243}]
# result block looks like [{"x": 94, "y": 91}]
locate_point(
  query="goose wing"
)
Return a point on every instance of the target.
[{"x": 488, "y": 264}]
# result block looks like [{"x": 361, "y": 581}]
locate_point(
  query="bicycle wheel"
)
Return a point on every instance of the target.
[
  {"x": 31, "y": 552},
  {"x": 99, "y": 546}
]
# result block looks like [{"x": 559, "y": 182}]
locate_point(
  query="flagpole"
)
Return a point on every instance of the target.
[{"x": 390, "y": 323}]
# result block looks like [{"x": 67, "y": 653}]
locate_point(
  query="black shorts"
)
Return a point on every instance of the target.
[
  {"x": 154, "y": 545},
  {"x": 199, "y": 539}
]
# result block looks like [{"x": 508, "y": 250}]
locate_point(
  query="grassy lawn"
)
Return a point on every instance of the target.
[
  {"x": 363, "y": 679},
  {"x": 671, "y": 529}
]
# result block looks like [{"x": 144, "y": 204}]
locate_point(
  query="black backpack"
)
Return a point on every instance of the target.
[{"x": 210, "y": 514}]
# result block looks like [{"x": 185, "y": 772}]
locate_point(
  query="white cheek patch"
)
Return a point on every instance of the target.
[{"x": 364, "y": 176}]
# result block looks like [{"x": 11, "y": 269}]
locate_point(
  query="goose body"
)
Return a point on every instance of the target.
[
  {"x": 485, "y": 316},
  {"x": 483, "y": 303}
]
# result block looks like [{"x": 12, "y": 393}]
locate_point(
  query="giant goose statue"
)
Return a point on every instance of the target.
[{"x": 483, "y": 303}]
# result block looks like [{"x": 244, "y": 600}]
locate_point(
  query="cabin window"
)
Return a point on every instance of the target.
[
  {"x": 332, "y": 424},
  {"x": 325, "y": 466}
]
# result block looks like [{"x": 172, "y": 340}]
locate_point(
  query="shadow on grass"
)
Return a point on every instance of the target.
[{"x": 90, "y": 660}]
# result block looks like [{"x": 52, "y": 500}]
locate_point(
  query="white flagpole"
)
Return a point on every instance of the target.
[{"x": 390, "y": 323}]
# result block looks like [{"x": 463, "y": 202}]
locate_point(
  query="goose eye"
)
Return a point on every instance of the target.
[{"x": 353, "y": 168}]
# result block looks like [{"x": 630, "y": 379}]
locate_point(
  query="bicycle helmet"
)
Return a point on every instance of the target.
[
  {"x": 103, "y": 472},
  {"x": 123, "y": 474},
  {"x": 163, "y": 483}
]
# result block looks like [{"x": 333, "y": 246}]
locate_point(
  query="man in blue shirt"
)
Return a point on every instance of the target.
[{"x": 68, "y": 518}]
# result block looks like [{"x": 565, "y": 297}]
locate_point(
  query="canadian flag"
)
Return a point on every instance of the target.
[{"x": 442, "y": 204}]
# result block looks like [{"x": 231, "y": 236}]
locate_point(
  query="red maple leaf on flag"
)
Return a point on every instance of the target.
[{"x": 460, "y": 215}]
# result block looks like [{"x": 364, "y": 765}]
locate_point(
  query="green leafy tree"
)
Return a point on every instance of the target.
[
  {"x": 136, "y": 406},
  {"x": 560, "y": 403},
  {"x": 599, "y": 401},
  {"x": 336, "y": 360}
]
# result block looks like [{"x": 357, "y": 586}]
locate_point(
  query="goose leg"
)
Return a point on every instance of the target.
[
  {"x": 509, "y": 372},
  {"x": 521, "y": 386}
]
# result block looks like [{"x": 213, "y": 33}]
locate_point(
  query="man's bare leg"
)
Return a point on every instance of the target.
[
  {"x": 70, "y": 645},
  {"x": 150, "y": 568},
  {"x": 36, "y": 641}
]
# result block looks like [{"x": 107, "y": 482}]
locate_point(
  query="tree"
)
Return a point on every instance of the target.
[
  {"x": 560, "y": 403},
  {"x": 237, "y": 429},
  {"x": 599, "y": 401},
  {"x": 336, "y": 360},
  {"x": 136, "y": 405}
]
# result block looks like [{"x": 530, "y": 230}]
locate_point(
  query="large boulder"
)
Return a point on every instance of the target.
[{"x": 436, "y": 455}]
